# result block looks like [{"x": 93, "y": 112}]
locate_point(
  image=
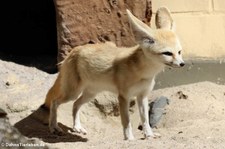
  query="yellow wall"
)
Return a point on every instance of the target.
[{"x": 200, "y": 24}]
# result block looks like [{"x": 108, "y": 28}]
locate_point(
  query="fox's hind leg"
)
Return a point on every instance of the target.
[
  {"x": 61, "y": 92},
  {"x": 124, "y": 112},
  {"x": 53, "y": 99},
  {"x": 86, "y": 96},
  {"x": 53, "y": 125}
]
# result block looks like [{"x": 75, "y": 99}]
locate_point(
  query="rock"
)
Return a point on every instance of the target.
[
  {"x": 79, "y": 22},
  {"x": 107, "y": 104},
  {"x": 11, "y": 138},
  {"x": 157, "y": 109}
]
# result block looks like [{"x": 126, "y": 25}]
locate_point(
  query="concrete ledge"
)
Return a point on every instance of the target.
[{"x": 203, "y": 70}]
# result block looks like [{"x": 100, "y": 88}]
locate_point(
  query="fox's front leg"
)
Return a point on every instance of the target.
[
  {"x": 143, "y": 110},
  {"x": 124, "y": 112}
]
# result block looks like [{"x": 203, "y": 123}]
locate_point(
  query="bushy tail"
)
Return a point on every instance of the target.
[{"x": 43, "y": 112}]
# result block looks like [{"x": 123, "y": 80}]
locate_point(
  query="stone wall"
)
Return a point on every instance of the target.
[
  {"x": 86, "y": 21},
  {"x": 200, "y": 25}
]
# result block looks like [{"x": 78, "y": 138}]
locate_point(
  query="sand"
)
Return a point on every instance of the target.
[{"x": 193, "y": 119}]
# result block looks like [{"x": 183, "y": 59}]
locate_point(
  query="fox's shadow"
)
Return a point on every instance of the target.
[{"x": 31, "y": 127}]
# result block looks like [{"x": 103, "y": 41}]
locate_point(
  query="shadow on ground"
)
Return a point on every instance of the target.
[
  {"x": 31, "y": 127},
  {"x": 46, "y": 63}
]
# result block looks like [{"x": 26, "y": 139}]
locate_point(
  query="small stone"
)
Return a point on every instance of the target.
[
  {"x": 7, "y": 83},
  {"x": 181, "y": 95},
  {"x": 2, "y": 113}
]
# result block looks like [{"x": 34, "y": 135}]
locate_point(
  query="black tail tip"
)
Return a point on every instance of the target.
[{"x": 44, "y": 107}]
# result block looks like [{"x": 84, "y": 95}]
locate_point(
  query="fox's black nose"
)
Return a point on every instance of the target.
[{"x": 182, "y": 64}]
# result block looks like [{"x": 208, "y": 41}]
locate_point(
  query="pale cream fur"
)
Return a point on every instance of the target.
[{"x": 128, "y": 72}]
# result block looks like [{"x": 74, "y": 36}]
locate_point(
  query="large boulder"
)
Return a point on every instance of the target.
[
  {"x": 86, "y": 21},
  {"x": 11, "y": 138}
]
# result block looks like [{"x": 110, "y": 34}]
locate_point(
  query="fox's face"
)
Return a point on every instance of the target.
[
  {"x": 161, "y": 45},
  {"x": 166, "y": 48}
]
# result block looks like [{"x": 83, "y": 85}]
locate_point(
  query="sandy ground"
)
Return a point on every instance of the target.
[{"x": 194, "y": 118}]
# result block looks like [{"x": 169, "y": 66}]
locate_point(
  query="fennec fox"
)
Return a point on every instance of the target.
[{"x": 128, "y": 72}]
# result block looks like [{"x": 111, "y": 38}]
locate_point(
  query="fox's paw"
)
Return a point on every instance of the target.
[
  {"x": 129, "y": 138},
  {"x": 56, "y": 130},
  {"x": 79, "y": 129},
  {"x": 154, "y": 136},
  {"x": 157, "y": 135}
]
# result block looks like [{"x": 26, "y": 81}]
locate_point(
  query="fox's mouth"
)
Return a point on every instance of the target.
[{"x": 171, "y": 65}]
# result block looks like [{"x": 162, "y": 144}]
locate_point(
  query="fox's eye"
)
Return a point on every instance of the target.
[
  {"x": 167, "y": 53},
  {"x": 179, "y": 52}
]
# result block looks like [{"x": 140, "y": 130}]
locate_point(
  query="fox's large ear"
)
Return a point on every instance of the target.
[
  {"x": 163, "y": 19},
  {"x": 141, "y": 31}
]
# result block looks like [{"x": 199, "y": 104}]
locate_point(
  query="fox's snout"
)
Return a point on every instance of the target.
[
  {"x": 175, "y": 65},
  {"x": 178, "y": 63},
  {"x": 173, "y": 60}
]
